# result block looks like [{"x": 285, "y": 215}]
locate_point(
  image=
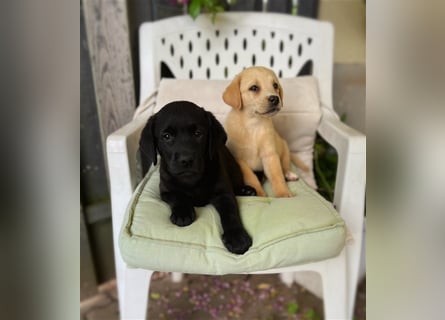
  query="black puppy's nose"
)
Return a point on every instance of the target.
[
  {"x": 274, "y": 100},
  {"x": 185, "y": 160}
]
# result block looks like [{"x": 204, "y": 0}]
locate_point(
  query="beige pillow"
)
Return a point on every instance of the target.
[{"x": 297, "y": 122}]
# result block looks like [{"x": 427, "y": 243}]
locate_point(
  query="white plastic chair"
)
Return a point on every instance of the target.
[{"x": 202, "y": 50}]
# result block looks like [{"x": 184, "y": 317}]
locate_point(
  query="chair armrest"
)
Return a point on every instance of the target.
[
  {"x": 122, "y": 146},
  {"x": 349, "y": 194}
]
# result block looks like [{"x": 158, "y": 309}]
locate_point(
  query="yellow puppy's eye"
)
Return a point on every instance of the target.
[
  {"x": 275, "y": 85},
  {"x": 254, "y": 88}
]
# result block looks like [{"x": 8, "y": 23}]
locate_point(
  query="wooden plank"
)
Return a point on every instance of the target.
[
  {"x": 88, "y": 282},
  {"x": 139, "y": 11},
  {"x": 283, "y": 6},
  {"x": 93, "y": 177},
  {"x": 109, "y": 46},
  {"x": 308, "y": 8},
  {"x": 247, "y": 5}
]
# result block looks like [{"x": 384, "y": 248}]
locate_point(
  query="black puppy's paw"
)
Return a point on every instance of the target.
[
  {"x": 183, "y": 217},
  {"x": 237, "y": 241},
  {"x": 246, "y": 191}
]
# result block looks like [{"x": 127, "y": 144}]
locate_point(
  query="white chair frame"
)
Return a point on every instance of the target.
[{"x": 199, "y": 49}]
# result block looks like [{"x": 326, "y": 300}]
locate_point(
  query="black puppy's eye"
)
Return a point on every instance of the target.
[
  {"x": 198, "y": 133},
  {"x": 275, "y": 85},
  {"x": 166, "y": 136},
  {"x": 254, "y": 88}
]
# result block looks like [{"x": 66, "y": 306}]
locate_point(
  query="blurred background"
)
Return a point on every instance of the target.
[{"x": 405, "y": 73}]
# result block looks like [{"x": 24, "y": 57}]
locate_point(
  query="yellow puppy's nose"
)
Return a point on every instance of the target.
[{"x": 275, "y": 100}]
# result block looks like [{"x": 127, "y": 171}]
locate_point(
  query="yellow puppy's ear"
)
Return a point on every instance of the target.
[{"x": 232, "y": 94}]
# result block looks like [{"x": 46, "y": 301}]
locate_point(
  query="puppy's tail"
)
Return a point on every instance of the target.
[{"x": 299, "y": 163}]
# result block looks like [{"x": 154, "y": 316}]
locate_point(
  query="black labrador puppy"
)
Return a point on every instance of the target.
[{"x": 196, "y": 168}]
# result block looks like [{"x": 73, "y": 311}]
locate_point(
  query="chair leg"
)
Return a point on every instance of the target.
[
  {"x": 335, "y": 297},
  {"x": 287, "y": 278},
  {"x": 353, "y": 252},
  {"x": 176, "y": 277},
  {"x": 135, "y": 288}
]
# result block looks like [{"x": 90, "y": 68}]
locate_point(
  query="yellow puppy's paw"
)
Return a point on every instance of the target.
[
  {"x": 284, "y": 194},
  {"x": 261, "y": 193},
  {"x": 290, "y": 176}
]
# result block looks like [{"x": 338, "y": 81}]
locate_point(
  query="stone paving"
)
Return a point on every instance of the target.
[{"x": 198, "y": 297}]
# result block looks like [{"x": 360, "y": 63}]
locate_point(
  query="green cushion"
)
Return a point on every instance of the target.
[{"x": 285, "y": 232}]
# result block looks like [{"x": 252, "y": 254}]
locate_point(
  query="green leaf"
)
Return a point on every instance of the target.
[
  {"x": 323, "y": 183},
  {"x": 311, "y": 315},
  {"x": 155, "y": 296},
  {"x": 219, "y": 9},
  {"x": 214, "y": 10},
  {"x": 195, "y": 8},
  {"x": 292, "y": 308}
]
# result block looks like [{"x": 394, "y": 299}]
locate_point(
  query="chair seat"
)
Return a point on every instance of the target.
[{"x": 285, "y": 232}]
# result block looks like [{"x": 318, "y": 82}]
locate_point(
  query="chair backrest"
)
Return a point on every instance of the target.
[{"x": 200, "y": 49}]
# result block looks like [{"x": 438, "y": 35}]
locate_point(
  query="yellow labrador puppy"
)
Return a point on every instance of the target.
[{"x": 255, "y": 95}]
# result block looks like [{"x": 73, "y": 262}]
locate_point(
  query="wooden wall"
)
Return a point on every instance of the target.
[{"x": 109, "y": 47}]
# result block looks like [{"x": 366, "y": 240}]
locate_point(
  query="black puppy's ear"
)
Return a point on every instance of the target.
[
  {"x": 217, "y": 134},
  {"x": 148, "y": 146}
]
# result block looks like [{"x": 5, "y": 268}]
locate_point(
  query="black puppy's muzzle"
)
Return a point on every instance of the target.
[
  {"x": 185, "y": 160},
  {"x": 185, "y": 163}
]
